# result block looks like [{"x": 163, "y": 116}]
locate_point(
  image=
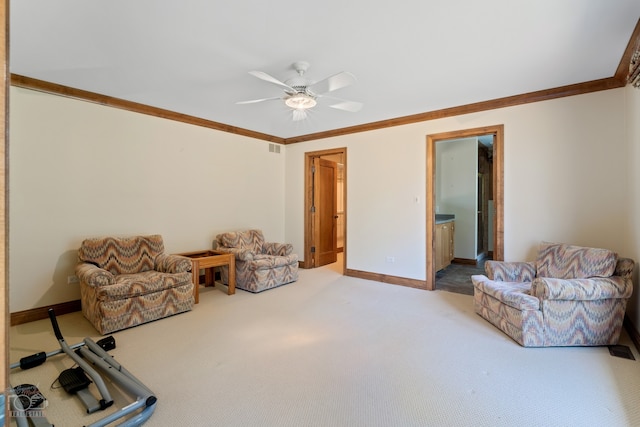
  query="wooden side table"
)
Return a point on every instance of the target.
[{"x": 207, "y": 260}]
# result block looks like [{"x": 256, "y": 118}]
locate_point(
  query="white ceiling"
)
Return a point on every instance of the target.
[{"x": 409, "y": 56}]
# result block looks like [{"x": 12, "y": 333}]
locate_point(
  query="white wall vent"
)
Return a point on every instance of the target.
[{"x": 274, "y": 148}]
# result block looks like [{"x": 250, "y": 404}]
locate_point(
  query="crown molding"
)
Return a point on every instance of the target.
[
  {"x": 619, "y": 79},
  {"x": 542, "y": 95},
  {"x": 623, "y": 71},
  {"x": 84, "y": 95}
]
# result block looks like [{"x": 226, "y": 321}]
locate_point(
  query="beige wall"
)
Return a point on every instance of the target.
[
  {"x": 566, "y": 175},
  {"x": 456, "y": 189},
  {"x": 633, "y": 224},
  {"x": 79, "y": 169}
]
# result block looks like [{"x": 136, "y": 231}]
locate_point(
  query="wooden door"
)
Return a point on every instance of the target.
[
  {"x": 444, "y": 247},
  {"x": 325, "y": 211},
  {"x": 481, "y": 215},
  {"x": 439, "y": 257},
  {"x": 4, "y": 212},
  {"x": 452, "y": 240}
]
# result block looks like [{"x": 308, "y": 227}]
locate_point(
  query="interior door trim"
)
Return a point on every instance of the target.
[
  {"x": 498, "y": 192},
  {"x": 308, "y": 202}
]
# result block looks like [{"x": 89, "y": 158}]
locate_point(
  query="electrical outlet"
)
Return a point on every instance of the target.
[
  {"x": 72, "y": 279},
  {"x": 391, "y": 259}
]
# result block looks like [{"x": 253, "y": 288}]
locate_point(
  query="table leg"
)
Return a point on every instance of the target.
[
  {"x": 232, "y": 276},
  {"x": 195, "y": 278},
  {"x": 210, "y": 276}
]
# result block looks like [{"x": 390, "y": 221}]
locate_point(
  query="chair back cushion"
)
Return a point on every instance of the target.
[
  {"x": 252, "y": 240},
  {"x": 624, "y": 268},
  {"x": 561, "y": 261},
  {"x": 122, "y": 255}
]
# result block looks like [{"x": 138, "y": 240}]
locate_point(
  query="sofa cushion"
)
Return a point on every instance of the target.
[
  {"x": 513, "y": 294},
  {"x": 131, "y": 285},
  {"x": 590, "y": 289},
  {"x": 249, "y": 239},
  {"x": 267, "y": 262},
  {"x": 510, "y": 271},
  {"x": 561, "y": 261},
  {"x": 122, "y": 255}
]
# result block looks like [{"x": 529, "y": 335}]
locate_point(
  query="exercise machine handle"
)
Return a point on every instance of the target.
[{"x": 54, "y": 323}]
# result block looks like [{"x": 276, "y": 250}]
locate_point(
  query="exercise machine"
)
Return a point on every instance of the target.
[{"x": 93, "y": 363}]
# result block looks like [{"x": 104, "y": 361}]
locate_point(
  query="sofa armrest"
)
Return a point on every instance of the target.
[
  {"x": 278, "y": 249},
  {"x": 595, "y": 288},
  {"x": 168, "y": 263},
  {"x": 240, "y": 254},
  {"x": 510, "y": 271},
  {"x": 93, "y": 275}
]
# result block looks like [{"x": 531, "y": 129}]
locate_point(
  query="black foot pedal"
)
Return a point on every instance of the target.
[{"x": 73, "y": 380}]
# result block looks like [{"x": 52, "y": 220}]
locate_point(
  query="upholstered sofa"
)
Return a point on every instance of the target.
[
  {"x": 260, "y": 265},
  {"x": 127, "y": 281},
  {"x": 570, "y": 296}
]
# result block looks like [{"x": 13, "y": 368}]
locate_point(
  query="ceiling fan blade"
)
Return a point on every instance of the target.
[
  {"x": 253, "y": 101},
  {"x": 351, "y": 106},
  {"x": 332, "y": 83},
  {"x": 266, "y": 77}
]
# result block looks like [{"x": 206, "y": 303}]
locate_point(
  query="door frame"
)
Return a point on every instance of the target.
[
  {"x": 4, "y": 207},
  {"x": 308, "y": 202},
  {"x": 498, "y": 192}
]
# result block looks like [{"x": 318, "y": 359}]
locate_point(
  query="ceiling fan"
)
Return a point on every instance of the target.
[{"x": 301, "y": 94}]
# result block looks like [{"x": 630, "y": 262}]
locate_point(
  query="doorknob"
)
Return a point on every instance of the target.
[{"x": 335, "y": 217}]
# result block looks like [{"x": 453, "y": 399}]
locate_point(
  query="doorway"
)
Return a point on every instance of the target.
[
  {"x": 325, "y": 208},
  {"x": 498, "y": 193}
]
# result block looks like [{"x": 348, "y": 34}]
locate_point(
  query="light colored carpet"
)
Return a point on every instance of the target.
[{"x": 331, "y": 350}]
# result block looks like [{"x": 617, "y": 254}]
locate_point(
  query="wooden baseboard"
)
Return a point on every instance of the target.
[
  {"x": 394, "y": 280},
  {"x": 465, "y": 261},
  {"x": 26, "y": 316},
  {"x": 632, "y": 331}
]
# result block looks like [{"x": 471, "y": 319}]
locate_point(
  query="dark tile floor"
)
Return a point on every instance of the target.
[{"x": 457, "y": 277}]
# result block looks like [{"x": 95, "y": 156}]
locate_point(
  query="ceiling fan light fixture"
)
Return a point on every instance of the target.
[
  {"x": 301, "y": 94},
  {"x": 300, "y": 101}
]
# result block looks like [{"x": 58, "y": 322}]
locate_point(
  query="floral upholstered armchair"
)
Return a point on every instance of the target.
[
  {"x": 570, "y": 296},
  {"x": 260, "y": 265},
  {"x": 127, "y": 281}
]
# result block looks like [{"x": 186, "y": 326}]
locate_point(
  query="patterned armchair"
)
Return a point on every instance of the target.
[
  {"x": 127, "y": 281},
  {"x": 570, "y": 296},
  {"x": 260, "y": 265}
]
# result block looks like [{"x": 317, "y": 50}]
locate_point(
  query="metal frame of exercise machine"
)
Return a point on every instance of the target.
[{"x": 89, "y": 355}]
